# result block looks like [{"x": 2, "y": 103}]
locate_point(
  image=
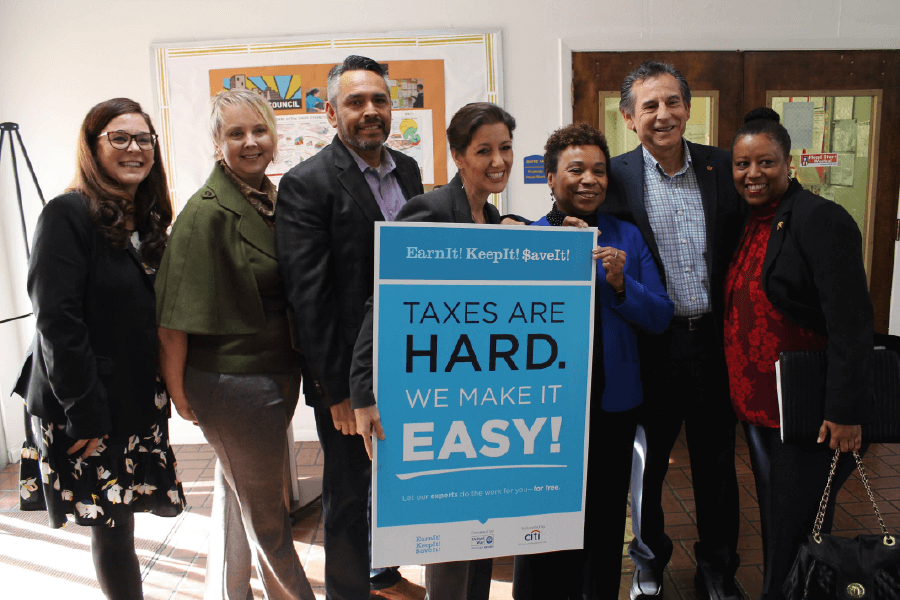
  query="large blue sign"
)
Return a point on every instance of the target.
[{"x": 483, "y": 354}]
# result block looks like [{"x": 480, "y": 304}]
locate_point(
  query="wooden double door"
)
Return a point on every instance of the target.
[{"x": 843, "y": 107}]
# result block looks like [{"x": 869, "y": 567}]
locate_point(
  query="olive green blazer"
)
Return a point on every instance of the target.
[{"x": 205, "y": 284}]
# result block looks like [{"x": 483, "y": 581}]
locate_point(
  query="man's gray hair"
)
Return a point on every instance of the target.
[
  {"x": 648, "y": 70},
  {"x": 351, "y": 63}
]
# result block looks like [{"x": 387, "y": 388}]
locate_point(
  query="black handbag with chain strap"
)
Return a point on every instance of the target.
[{"x": 829, "y": 567}]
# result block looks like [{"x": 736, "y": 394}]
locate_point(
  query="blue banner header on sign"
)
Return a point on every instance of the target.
[{"x": 483, "y": 253}]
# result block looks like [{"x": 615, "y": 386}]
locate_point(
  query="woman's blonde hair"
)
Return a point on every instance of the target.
[{"x": 226, "y": 98}]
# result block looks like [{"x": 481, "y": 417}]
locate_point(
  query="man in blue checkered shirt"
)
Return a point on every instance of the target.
[{"x": 682, "y": 198}]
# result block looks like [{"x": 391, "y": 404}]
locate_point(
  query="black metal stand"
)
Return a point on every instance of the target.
[
  {"x": 37, "y": 500},
  {"x": 14, "y": 128}
]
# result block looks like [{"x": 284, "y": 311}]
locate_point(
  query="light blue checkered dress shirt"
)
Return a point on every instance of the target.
[{"x": 675, "y": 209}]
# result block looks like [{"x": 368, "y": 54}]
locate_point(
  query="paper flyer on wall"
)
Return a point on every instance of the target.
[
  {"x": 297, "y": 94},
  {"x": 482, "y": 357},
  {"x": 300, "y": 137},
  {"x": 412, "y": 134}
]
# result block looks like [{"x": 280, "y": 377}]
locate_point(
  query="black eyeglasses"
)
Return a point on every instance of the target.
[{"x": 120, "y": 140}]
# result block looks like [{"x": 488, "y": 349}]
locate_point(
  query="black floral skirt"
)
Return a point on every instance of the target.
[{"x": 132, "y": 473}]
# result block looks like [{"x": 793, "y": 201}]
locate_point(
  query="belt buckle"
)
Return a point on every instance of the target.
[{"x": 694, "y": 323}]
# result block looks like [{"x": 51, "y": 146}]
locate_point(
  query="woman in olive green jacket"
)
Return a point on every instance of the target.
[{"x": 226, "y": 354}]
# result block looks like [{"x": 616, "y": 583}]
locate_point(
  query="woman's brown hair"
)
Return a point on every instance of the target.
[
  {"x": 470, "y": 117},
  {"x": 109, "y": 203}
]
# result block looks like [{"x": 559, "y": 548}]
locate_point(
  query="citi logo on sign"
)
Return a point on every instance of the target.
[{"x": 533, "y": 536}]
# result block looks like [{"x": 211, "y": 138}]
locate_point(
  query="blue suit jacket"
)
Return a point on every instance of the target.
[
  {"x": 722, "y": 206},
  {"x": 646, "y": 307},
  {"x": 724, "y": 211}
]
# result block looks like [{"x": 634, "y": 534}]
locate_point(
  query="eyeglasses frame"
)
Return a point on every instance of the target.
[{"x": 131, "y": 138}]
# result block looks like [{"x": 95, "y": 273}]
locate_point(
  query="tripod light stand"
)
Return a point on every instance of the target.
[{"x": 13, "y": 128}]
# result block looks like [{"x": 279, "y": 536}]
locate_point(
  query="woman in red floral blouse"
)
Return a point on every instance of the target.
[{"x": 796, "y": 282}]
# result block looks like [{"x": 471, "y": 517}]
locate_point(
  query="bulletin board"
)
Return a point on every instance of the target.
[{"x": 453, "y": 67}]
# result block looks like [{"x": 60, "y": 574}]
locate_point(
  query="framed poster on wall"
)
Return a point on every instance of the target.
[
  {"x": 297, "y": 95},
  {"x": 431, "y": 76}
]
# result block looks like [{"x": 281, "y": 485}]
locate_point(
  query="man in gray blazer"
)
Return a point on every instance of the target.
[
  {"x": 682, "y": 198},
  {"x": 325, "y": 231}
]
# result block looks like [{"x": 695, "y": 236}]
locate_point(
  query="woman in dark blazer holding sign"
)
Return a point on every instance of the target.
[
  {"x": 99, "y": 414},
  {"x": 796, "y": 282},
  {"x": 480, "y": 138},
  {"x": 629, "y": 297}
]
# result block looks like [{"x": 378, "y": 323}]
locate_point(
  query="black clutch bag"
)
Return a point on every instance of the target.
[
  {"x": 829, "y": 567},
  {"x": 801, "y": 396}
]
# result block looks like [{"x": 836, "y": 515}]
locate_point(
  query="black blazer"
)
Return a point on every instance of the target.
[
  {"x": 93, "y": 363},
  {"x": 447, "y": 204},
  {"x": 723, "y": 207},
  {"x": 813, "y": 273},
  {"x": 325, "y": 238}
]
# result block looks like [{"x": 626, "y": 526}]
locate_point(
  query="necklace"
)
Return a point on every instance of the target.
[{"x": 555, "y": 217}]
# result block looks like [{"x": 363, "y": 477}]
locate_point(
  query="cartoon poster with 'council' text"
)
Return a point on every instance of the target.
[{"x": 483, "y": 338}]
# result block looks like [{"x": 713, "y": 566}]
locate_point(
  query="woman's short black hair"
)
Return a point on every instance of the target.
[
  {"x": 576, "y": 134},
  {"x": 470, "y": 117},
  {"x": 766, "y": 121}
]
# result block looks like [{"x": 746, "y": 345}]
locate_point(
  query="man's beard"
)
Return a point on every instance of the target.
[{"x": 354, "y": 140}]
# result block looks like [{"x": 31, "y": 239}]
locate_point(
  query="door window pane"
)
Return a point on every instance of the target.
[{"x": 833, "y": 129}]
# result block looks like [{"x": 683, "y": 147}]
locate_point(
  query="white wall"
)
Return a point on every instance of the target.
[{"x": 59, "y": 58}]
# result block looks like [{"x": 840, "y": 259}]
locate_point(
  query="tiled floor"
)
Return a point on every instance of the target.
[{"x": 173, "y": 551}]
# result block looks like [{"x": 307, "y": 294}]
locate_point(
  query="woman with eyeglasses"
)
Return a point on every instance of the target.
[
  {"x": 99, "y": 413},
  {"x": 226, "y": 352}
]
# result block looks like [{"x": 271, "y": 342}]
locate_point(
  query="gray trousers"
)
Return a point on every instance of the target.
[{"x": 245, "y": 418}]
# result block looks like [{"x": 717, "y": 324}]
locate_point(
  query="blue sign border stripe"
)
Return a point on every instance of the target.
[{"x": 461, "y": 282}]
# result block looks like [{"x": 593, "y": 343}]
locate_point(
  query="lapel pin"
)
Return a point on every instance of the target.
[
  {"x": 708, "y": 167},
  {"x": 780, "y": 225}
]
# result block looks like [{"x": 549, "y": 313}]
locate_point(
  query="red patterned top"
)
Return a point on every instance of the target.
[{"x": 755, "y": 332}]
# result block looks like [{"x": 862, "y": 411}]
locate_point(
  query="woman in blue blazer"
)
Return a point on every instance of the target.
[{"x": 629, "y": 296}]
